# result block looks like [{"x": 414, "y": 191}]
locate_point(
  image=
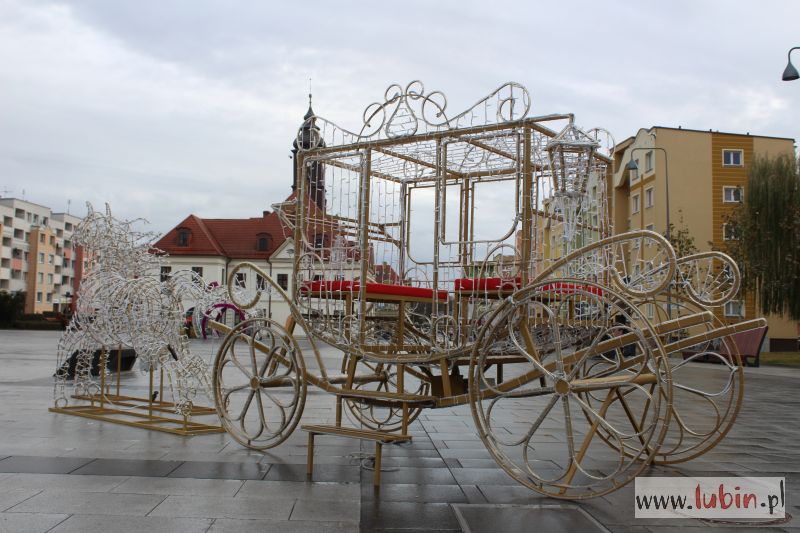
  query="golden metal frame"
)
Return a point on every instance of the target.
[
  {"x": 120, "y": 409},
  {"x": 393, "y": 363}
]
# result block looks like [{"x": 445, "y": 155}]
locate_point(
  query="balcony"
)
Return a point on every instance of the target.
[{"x": 16, "y": 263}]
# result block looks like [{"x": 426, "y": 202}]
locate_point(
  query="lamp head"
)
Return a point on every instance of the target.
[
  {"x": 790, "y": 73},
  {"x": 632, "y": 165}
]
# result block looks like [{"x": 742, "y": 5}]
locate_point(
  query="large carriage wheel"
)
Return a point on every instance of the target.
[
  {"x": 541, "y": 424},
  {"x": 259, "y": 383}
]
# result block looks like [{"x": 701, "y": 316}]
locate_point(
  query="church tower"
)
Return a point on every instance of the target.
[{"x": 315, "y": 173}]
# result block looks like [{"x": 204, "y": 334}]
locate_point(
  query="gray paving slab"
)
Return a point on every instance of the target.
[
  {"x": 322, "y": 472},
  {"x": 553, "y": 518},
  {"x": 405, "y": 492},
  {"x": 101, "y": 503},
  {"x": 220, "y": 470},
  {"x": 42, "y": 465},
  {"x": 300, "y": 490},
  {"x": 63, "y": 482},
  {"x": 179, "y": 486},
  {"x": 129, "y": 524},
  {"x": 227, "y": 525},
  {"x": 224, "y": 507},
  {"x": 11, "y": 497},
  {"x": 326, "y": 510},
  {"x": 128, "y": 467},
  {"x": 30, "y": 522}
]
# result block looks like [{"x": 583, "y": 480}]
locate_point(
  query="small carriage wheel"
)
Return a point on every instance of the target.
[
  {"x": 387, "y": 418},
  {"x": 259, "y": 383},
  {"x": 537, "y": 424}
]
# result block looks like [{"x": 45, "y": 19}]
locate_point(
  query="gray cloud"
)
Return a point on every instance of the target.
[{"x": 164, "y": 109}]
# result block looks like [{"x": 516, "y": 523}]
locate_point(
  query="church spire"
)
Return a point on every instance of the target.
[
  {"x": 307, "y": 137},
  {"x": 310, "y": 112}
]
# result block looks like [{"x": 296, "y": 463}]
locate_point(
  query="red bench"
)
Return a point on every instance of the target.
[
  {"x": 747, "y": 342},
  {"x": 510, "y": 285},
  {"x": 375, "y": 291}
]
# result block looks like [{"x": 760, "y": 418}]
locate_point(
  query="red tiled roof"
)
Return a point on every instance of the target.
[{"x": 235, "y": 238}]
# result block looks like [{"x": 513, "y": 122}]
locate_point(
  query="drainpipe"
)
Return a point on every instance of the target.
[{"x": 269, "y": 301}]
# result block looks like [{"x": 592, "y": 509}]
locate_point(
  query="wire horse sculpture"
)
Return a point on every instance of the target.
[
  {"x": 428, "y": 244},
  {"x": 121, "y": 303}
]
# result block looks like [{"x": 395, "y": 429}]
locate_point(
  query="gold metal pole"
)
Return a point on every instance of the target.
[
  {"x": 150, "y": 394},
  {"x": 119, "y": 367},
  {"x": 102, "y": 368}
]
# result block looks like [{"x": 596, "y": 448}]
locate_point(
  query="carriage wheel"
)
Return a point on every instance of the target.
[
  {"x": 259, "y": 383},
  {"x": 385, "y": 417},
  {"x": 706, "y": 402},
  {"x": 541, "y": 424}
]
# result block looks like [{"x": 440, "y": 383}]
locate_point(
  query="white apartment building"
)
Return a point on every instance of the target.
[{"x": 37, "y": 254}]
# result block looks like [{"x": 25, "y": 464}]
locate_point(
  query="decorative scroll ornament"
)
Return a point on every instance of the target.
[{"x": 409, "y": 110}]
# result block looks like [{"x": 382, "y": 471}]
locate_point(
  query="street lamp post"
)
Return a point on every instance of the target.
[
  {"x": 790, "y": 73},
  {"x": 633, "y": 166}
]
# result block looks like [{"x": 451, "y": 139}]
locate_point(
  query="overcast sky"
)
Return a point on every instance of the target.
[{"x": 165, "y": 108}]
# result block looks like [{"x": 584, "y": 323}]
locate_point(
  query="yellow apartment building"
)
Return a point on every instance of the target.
[{"x": 693, "y": 179}]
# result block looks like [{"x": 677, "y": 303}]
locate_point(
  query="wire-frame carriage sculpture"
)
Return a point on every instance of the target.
[{"x": 428, "y": 244}]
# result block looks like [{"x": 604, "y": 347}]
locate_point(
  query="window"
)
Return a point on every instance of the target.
[
  {"x": 635, "y": 172},
  {"x": 648, "y": 197},
  {"x": 241, "y": 279},
  {"x": 50, "y": 279},
  {"x": 732, "y": 195},
  {"x": 35, "y": 219},
  {"x": 165, "y": 272},
  {"x": 734, "y": 308},
  {"x": 49, "y": 297},
  {"x": 41, "y": 238},
  {"x": 68, "y": 226},
  {"x": 264, "y": 242},
  {"x": 732, "y": 158},
  {"x": 8, "y": 221},
  {"x": 729, "y": 232},
  {"x": 319, "y": 241},
  {"x": 648, "y": 161},
  {"x": 635, "y": 200},
  {"x": 261, "y": 283},
  {"x": 183, "y": 237},
  {"x": 651, "y": 311},
  {"x": 41, "y": 258},
  {"x": 198, "y": 271},
  {"x": 39, "y": 297},
  {"x": 650, "y": 227},
  {"x": 283, "y": 281},
  {"x": 51, "y": 259},
  {"x": 40, "y": 276}
]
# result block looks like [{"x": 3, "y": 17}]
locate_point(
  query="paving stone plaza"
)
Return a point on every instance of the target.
[{"x": 62, "y": 473}]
